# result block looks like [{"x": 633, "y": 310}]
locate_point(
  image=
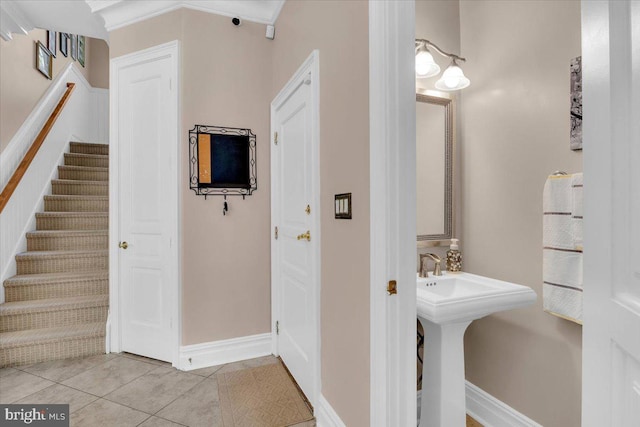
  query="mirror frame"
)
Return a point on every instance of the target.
[{"x": 444, "y": 239}]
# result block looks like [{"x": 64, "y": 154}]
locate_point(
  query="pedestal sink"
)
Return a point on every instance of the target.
[{"x": 447, "y": 304}]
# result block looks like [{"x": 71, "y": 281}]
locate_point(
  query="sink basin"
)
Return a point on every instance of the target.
[
  {"x": 447, "y": 305},
  {"x": 455, "y": 297}
]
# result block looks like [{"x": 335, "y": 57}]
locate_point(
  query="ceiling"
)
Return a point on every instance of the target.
[{"x": 95, "y": 18}]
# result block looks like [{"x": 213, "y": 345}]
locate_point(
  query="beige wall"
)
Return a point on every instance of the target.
[
  {"x": 229, "y": 77},
  {"x": 340, "y": 31},
  {"x": 516, "y": 132},
  {"x": 145, "y": 34},
  {"x": 22, "y": 85},
  {"x": 98, "y": 62},
  {"x": 226, "y": 259},
  {"x": 226, "y": 81}
]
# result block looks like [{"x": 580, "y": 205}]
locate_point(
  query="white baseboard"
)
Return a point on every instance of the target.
[
  {"x": 491, "y": 412},
  {"x": 214, "y": 353},
  {"x": 325, "y": 415}
]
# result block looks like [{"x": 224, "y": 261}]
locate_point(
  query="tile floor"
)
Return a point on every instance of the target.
[
  {"x": 127, "y": 390},
  {"x": 124, "y": 390}
]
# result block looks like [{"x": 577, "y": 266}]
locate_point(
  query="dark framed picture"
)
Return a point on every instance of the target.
[
  {"x": 576, "y": 104},
  {"x": 81, "y": 50},
  {"x": 64, "y": 44},
  {"x": 223, "y": 161},
  {"x": 44, "y": 60},
  {"x": 52, "y": 38},
  {"x": 74, "y": 47}
]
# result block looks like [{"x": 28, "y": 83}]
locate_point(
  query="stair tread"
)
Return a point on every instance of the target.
[
  {"x": 93, "y": 144},
  {"x": 78, "y": 182},
  {"x": 87, "y": 156},
  {"x": 52, "y": 304},
  {"x": 75, "y": 197},
  {"x": 83, "y": 168},
  {"x": 35, "y": 336},
  {"x": 69, "y": 233},
  {"x": 30, "y": 279},
  {"x": 54, "y": 254},
  {"x": 71, "y": 213}
]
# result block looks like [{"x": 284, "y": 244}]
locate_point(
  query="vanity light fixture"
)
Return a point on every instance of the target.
[
  {"x": 452, "y": 79},
  {"x": 425, "y": 65}
]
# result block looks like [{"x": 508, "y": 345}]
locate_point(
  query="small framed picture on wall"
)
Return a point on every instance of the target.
[
  {"x": 576, "y": 104},
  {"x": 74, "y": 47},
  {"x": 81, "y": 50},
  {"x": 51, "y": 42},
  {"x": 44, "y": 60},
  {"x": 64, "y": 44}
]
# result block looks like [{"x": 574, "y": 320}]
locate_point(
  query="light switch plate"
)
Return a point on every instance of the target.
[{"x": 342, "y": 206}]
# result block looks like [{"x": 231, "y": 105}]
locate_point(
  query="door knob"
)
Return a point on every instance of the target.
[
  {"x": 305, "y": 236},
  {"x": 123, "y": 245}
]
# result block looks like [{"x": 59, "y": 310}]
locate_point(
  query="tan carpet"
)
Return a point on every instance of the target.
[
  {"x": 261, "y": 397},
  {"x": 56, "y": 305}
]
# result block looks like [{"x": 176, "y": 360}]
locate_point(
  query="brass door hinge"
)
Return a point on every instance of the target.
[
  {"x": 275, "y": 138},
  {"x": 277, "y": 327},
  {"x": 392, "y": 287},
  {"x": 308, "y": 210},
  {"x": 276, "y": 233}
]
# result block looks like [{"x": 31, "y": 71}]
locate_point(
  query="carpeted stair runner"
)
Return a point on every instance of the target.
[{"x": 56, "y": 306}]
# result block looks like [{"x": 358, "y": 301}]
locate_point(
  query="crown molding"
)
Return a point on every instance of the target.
[
  {"x": 120, "y": 13},
  {"x": 12, "y": 20}
]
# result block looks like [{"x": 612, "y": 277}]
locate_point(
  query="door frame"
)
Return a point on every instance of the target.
[
  {"x": 173, "y": 193},
  {"x": 309, "y": 70},
  {"x": 392, "y": 171}
]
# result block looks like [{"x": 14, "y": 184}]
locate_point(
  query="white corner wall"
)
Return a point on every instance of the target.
[{"x": 84, "y": 118}]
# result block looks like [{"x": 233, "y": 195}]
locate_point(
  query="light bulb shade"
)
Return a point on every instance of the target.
[
  {"x": 452, "y": 79},
  {"x": 425, "y": 65}
]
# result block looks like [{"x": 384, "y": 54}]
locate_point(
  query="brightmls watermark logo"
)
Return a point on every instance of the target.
[{"x": 34, "y": 415}]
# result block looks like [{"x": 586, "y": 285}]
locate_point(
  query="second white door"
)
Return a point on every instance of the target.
[
  {"x": 147, "y": 200},
  {"x": 295, "y": 210}
]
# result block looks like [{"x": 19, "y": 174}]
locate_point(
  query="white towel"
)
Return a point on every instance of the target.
[
  {"x": 557, "y": 205},
  {"x": 576, "y": 209},
  {"x": 562, "y": 251}
]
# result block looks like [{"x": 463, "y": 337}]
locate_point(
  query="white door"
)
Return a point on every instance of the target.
[
  {"x": 295, "y": 213},
  {"x": 611, "y": 111},
  {"x": 147, "y": 202}
]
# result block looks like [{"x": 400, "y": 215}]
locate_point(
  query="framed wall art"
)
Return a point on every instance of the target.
[
  {"x": 576, "y": 104},
  {"x": 44, "y": 60},
  {"x": 64, "y": 44},
  {"x": 81, "y": 50},
  {"x": 74, "y": 47},
  {"x": 222, "y": 161},
  {"x": 52, "y": 38}
]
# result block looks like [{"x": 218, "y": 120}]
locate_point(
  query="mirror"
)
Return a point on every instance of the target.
[{"x": 434, "y": 172}]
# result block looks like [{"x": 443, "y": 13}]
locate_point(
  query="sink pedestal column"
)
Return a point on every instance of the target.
[{"x": 443, "y": 382}]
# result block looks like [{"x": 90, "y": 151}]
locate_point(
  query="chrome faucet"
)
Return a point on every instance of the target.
[{"x": 424, "y": 258}]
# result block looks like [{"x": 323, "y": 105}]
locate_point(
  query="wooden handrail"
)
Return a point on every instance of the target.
[{"x": 11, "y": 186}]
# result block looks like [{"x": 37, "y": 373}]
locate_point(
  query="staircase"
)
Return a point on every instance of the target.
[{"x": 56, "y": 306}]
